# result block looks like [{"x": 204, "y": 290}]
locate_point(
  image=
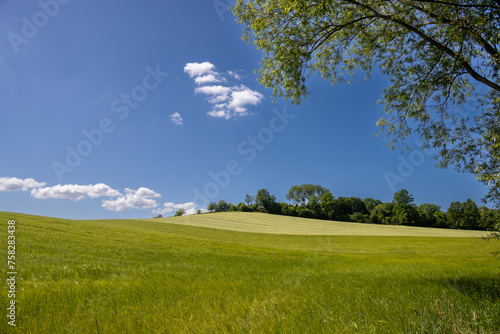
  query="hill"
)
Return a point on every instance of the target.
[
  {"x": 276, "y": 224},
  {"x": 149, "y": 276}
]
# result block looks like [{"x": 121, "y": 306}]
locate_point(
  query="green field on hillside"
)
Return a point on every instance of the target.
[
  {"x": 173, "y": 276},
  {"x": 276, "y": 224}
]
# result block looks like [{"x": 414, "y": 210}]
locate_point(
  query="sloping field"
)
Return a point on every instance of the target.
[
  {"x": 276, "y": 224},
  {"x": 153, "y": 276}
]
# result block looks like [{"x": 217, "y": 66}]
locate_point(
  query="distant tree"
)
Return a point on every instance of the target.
[
  {"x": 371, "y": 203},
  {"x": 429, "y": 209},
  {"x": 265, "y": 200},
  {"x": 471, "y": 215},
  {"x": 282, "y": 208},
  {"x": 426, "y": 212},
  {"x": 404, "y": 211},
  {"x": 441, "y": 219},
  {"x": 222, "y": 205},
  {"x": 327, "y": 205},
  {"x": 464, "y": 215},
  {"x": 314, "y": 205},
  {"x": 261, "y": 209},
  {"x": 342, "y": 208},
  {"x": 212, "y": 207},
  {"x": 490, "y": 219},
  {"x": 454, "y": 214},
  {"x": 295, "y": 195},
  {"x": 359, "y": 217},
  {"x": 357, "y": 205},
  {"x": 302, "y": 193},
  {"x": 402, "y": 197},
  {"x": 382, "y": 214},
  {"x": 159, "y": 216},
  {"x": 198, "y": 211},
  {"x": 305, "y": 212},
  {"x": 404, "y": 214},
  {"x": 231, "y": 207},
  {"x": 290, "y": 210},
  {"x": 249, "y": 200},
  {"x": 243, "y": 207},
  {"x": 180, "y": 212}
]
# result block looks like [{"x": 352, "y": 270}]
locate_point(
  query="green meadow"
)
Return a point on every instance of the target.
[{"x": 248, "y": 273}]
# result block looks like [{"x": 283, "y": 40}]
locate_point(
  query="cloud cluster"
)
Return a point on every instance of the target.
[
  {"x": 176, "y": 118},
  {"x": 198, "y": 69},
  {"x": 227, "y": 101},
  {"x": 141, "y": 198},
  {"x": 75, "y": 192},
  {"x": 206, "y": 79},
  {"x": 15, "y": 184},
  {"x": 190, "y": 208},
  {"x": 234, "y": 74}
]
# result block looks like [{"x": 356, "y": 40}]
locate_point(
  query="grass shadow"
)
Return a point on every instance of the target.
[{"x": 478, "y": 288}]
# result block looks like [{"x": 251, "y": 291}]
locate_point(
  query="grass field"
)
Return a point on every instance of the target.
[
  {"x": 276, "y": 224},
  {"x": 173, "y": 276}
]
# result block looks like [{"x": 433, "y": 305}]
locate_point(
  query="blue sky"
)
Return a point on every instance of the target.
[{"x": 130, "y": 109}]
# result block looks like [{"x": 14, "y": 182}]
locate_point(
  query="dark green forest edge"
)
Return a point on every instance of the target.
[{"x": 314, "y": 201}]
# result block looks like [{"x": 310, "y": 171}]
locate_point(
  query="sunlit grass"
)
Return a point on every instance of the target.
[
  {"x": 130, "y": 276},
  {"x": 276, "y": 224}
]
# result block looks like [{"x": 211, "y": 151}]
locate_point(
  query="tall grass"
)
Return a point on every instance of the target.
[{"x": 129, "y": 276}]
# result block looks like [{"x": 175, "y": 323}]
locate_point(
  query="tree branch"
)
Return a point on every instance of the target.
[
  {"x": 472, "y": 31},
  {"x": 433, "y": 42},
  {"x": 460, "y": 5},
  {"x": 336, "y": 28}
]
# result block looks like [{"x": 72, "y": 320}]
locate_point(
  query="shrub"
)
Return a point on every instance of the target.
[
  {"x": 359, "y": 217},
  {"x": 304, "y": 212}
]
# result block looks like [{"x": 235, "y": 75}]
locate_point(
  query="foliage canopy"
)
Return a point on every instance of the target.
[{"x": 302, "y": 193}]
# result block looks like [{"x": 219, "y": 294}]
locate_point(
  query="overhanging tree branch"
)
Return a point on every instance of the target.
[
  {"x": 435, "y": 43},
  {"x": 459, "y": 5}
]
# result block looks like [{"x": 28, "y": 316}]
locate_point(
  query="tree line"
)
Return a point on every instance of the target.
[{"x": 314, "y": 201}]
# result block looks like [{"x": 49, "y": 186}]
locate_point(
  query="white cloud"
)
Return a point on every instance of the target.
[
  {"x": 197, "y": 69},
  {"x": 176, "y": 118},
  {"x": 234, "y": 100},
  {"x": 141, "y": 198},
  {"x": 220, "y": 113},
  {"x": 243, "y": 97},
  {"x": 133, "y": 199},
  {"x": 227, "y": 101},
  {"x": 206, "y": 79},
  {"x": 75, "y": 192},
  {"x": 142, "y": 192},
  {"x": 217, "y": 99},
  {"x": 15, "y": 184},
  {"x": 234, "y": 74},
  {"x": 217, "y": 90},
  {"x": 190, "y": 208}
]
